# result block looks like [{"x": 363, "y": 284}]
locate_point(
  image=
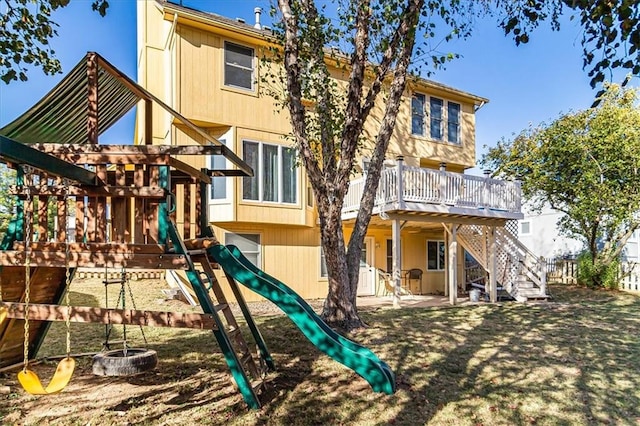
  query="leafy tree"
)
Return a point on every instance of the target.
[
  {"x": 611, "y": 37},
  {"x": 26, "y": 28},
  {"x": 587, "y": 165},
  {"x": 377, "y": 44},
  {"x": 7, "y": 202}
]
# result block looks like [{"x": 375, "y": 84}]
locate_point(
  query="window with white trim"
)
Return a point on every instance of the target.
[
  {"x": 436, "y": 255},
  {"x": 239, "y": 66},
  {"x": 435, "y": 118},
  {"x": 219, "y": 183},
  {"x": 275, "y": 173},
  {"x": 525, "y": 227},
  {"x": 249, "y": 245}
]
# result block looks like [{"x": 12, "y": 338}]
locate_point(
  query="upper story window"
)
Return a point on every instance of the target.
[
  {"x": 275, "y": 173},
  {"x": 238, "y": 66},
  {"x": 453, "y": 122},
  {"x": 435, "y": 118},
  {"x": 435, "y": 110},
  {"x": 417, "y": 113}
]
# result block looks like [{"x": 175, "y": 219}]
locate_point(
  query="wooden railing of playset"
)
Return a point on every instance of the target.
[{"x": 119, "y": 222}]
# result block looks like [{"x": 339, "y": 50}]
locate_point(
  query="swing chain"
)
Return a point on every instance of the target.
[
  {"x": 27, "y": 270},
  {"x": 67, "y": 274},
  {"x": 133, "y": 303}
]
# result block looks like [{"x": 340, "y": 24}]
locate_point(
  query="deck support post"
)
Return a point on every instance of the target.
[
  {"x": 396, "y": 261},
  {"x": 453, "y": 264},
  {"x": 400, "y": 182},
  {"x": 493, "y": 282}
]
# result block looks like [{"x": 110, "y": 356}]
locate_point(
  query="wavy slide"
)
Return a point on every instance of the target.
[{"x": 356, "y": 357}]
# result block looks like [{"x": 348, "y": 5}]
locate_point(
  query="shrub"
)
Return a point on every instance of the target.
[{"x": 597, "y": 274}]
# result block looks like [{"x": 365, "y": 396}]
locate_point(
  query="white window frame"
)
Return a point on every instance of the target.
[
  {"x": 443, "y": 266},
  {"x": 253, "y": 68},
  {"x": 323, "y": 261},
  {"x": 228, "y": 182},
  {"x": 259, "y": 251},
  {"x": 520, "y": 231},
  {"x": 258, "y": 175}
]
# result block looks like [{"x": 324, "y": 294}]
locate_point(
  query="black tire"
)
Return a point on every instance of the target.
[{"x": 115, "y": 363}]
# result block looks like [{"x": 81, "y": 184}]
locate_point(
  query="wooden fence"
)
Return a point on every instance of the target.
[{"x": 565, "y": 271}]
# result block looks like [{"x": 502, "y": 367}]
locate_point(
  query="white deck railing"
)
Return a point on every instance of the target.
[{"x": 428, "y": 186}]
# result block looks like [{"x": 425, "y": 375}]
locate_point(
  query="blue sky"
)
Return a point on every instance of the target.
[{"x": 525, "y": 84}]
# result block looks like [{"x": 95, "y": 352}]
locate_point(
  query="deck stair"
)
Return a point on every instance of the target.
[{"x": 518, "y": 271}]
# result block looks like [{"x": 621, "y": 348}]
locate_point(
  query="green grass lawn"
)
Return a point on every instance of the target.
[{"x": 573, "y": 361}]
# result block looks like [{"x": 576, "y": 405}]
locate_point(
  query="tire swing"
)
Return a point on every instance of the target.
[
  {"x": 28, "y": 379},
  {"x": 126, "y": 361}
]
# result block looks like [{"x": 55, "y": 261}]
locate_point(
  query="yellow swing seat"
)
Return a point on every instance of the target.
[{"x": 31, "y": 382}]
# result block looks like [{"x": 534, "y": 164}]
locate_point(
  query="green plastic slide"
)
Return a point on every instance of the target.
[{"x": 357, "y": 357}]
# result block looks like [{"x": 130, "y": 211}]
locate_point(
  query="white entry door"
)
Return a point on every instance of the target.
[{"x": 366, "y": 282}]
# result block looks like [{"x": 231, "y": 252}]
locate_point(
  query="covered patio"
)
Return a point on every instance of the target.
[{"x": 473, "y": 213}]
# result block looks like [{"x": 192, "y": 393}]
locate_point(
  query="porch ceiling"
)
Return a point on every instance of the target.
[{"x": 427, "y": 220}]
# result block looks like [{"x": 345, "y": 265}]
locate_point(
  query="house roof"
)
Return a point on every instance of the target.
[
  {"x": 62, "y": 115},
  {"x": 266, "y": 35}
]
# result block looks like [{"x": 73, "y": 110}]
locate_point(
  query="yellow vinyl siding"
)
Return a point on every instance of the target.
[
  {"x": 291, "y": 254},
  {"x": 203, "y": 96},
  {"x": 414, "y": 255},
  {"x": 183, "y": 64}
]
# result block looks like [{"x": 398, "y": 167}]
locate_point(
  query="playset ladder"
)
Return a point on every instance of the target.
[{"x": 235, "y": 349}]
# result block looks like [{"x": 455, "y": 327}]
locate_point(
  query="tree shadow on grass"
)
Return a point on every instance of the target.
[{"x": 516, "y": 364}]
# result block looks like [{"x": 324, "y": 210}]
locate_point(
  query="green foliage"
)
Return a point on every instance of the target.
[
  {"x": 585, "y": 164},
  {"x": 26, "y": 29},
  {"x": 7, "y": 202},
  {"x": 596, "y": 273},
  {"x": 611, "y": 30}
]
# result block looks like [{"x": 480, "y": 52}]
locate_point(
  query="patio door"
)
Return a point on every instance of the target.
[{"x": 366, "y": 281}]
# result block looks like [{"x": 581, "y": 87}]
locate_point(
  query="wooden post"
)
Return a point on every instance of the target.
[
  {"x": 397, "y": 261},
  {"x": 139, "y": 207},
  {"x": 453, "y": 264},
  {"x": 400, "y": 181},
  {"x": 119, "y": 209},
  {"x": 92, "y": 98},
  {"x": 101, "y": 208},
  {"x": 43, "y": 210},
  {"x": 493, "y": 283},
  {"x": 62, "y": 219},
  {"x": 148, "y": 122},
  {"x": 447, "y": 278}
]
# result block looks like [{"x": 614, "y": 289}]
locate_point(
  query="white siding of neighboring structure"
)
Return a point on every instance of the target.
[{"x": 544, "y": 238}]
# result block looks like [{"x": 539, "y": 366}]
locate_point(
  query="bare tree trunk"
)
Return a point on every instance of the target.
[
  {"x": 329, "y": 168},
  {"x": 340, "y": 305}
]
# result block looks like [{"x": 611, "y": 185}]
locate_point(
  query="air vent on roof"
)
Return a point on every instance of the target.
[
  {"x": 258, "y": 12},
  {"x": 240, "y": 20}
]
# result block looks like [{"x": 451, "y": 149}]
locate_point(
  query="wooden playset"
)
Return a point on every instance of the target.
[{"x": 85, "y": 204}]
